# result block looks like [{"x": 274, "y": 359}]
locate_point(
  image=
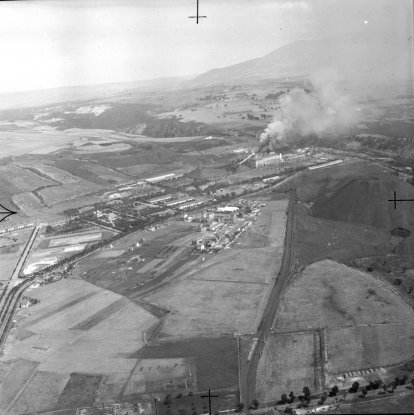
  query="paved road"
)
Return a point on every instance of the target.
[{"x": 248, "y": 382}]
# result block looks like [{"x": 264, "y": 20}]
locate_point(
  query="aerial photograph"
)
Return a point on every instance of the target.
[{"x": 206, "y": 207}]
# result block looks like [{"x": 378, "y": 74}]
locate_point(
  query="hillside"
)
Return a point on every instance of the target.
[
  {"x": 364, "y": 201},
  {"x": 359, "y": 59}
]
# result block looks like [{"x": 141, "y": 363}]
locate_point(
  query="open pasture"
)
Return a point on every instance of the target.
[
  {"x": 24, "y": 179},
  {"x": 13, "y": 376},
  {"x": 80, "y": 390},
  {"x": 28, "y": 203},
  {"x": 42, "y": 392},
  {"x": 366, "y": 324},
  {"x": 208, "y": 308},
  {"x": 33, "y": 141},
  {"x": 215, "y": 359},
  {"x": 287, "y": 364},
  {"x": 147, "y": 170},
  {"x": 56, "y": 194},
  {"x": 104, "y": 173},
  {"x": 54, "y": 173},
  {"x": 90, "y": 172},
  {"x": 161, "y": 375},
  {"x": 228, "y": 113},
  {"x": 338, "y": 296},
  {"x": 353, "y": 348}
]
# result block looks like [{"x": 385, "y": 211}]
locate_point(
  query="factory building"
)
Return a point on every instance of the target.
[{"x": 262, "y": 161}]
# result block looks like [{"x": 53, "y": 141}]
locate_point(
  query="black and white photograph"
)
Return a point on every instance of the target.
[{"x": 206, "y": 207}]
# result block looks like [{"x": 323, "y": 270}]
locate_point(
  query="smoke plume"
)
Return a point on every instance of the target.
[{"x": 327, "y": 109}]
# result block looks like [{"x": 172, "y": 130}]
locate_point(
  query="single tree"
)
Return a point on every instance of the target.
[
  {"x": 283, "y": 399},
  {"x": 354, "y": 388},
  {"x": 334, "y": 391}
]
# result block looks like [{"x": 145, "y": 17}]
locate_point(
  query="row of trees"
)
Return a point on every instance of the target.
[{"x": 304, "y": 399}]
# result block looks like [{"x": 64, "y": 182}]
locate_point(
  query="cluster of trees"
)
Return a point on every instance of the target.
[
  {"x": 211, "y": 97},
  {"x": 303, "y": 399},
  {"x": 161, "y": 127},
  {"x": 385, "y": 143},
  {"x": 118, "y": 118},
  {"x": 355, "y": 388},
  {"x": 275, "y": 95},
  {"x": 252, "y": 117}
]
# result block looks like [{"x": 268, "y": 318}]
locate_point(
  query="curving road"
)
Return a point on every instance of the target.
[{"x": 248, "y": 381}]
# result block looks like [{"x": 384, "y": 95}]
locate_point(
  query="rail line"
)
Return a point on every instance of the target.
[{"x": 248, "y": 383}]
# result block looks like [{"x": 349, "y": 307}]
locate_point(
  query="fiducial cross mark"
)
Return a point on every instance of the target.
[
  {"x": 209, "y": 396},
  {"x": 197, "y": 16},
  {"x": 395, "y": 200}
]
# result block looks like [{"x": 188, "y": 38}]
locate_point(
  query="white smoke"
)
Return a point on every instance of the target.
[{"x": 326, "y": 109}]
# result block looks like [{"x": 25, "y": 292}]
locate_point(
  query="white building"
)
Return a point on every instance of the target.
[{"x": 227, "y": 209}]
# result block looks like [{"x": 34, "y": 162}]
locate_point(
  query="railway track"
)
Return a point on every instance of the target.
[
  {"x": 11, "y": 301},
  {"x": 12, "y": 293},
  {"x": 248, "y": 383}
]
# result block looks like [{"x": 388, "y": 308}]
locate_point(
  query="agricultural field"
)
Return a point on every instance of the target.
[
  {"x": 41, "y": 392},
  {"x": 214, "y": 359},
  {"x": 395, "y": 405},
  {"x": 147, "y": 170},
  {"x": 366, "y": 324},
  {"x": 13, "y": 376},
  {"x": 54, "y": 173},
  {"x": 288, "y": 363},
  {"x": 90, "y": 172},
  {"x": 79, "y": 339},
  {"x": 32, "y": 140},
  {"x": 11, "y": 247},
  {"x": 28, "y": 203},
  {"x": 105, "y": 173},
  {"x": 353, "y": 348},
  {"x": 56, "y": 194},
  {"x": 225, "y": 114},
  {"x": 24, "y": 179},
  {"x": 161, "y": 375}
]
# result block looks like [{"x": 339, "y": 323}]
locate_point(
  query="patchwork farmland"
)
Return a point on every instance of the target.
[{"x": 76, "y": 320}]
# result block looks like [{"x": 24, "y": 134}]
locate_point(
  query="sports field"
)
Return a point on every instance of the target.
[{"x": 49, "y": 250}]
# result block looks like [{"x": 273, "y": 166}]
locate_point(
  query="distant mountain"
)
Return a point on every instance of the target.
[
  {"x": 291, "y": 60},
  {"x": 359, "y": 58},
  {"x": 108, "y": 92}
]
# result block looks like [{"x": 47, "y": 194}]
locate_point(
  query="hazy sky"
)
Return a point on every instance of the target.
[{"x": 52, "y": 43}]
